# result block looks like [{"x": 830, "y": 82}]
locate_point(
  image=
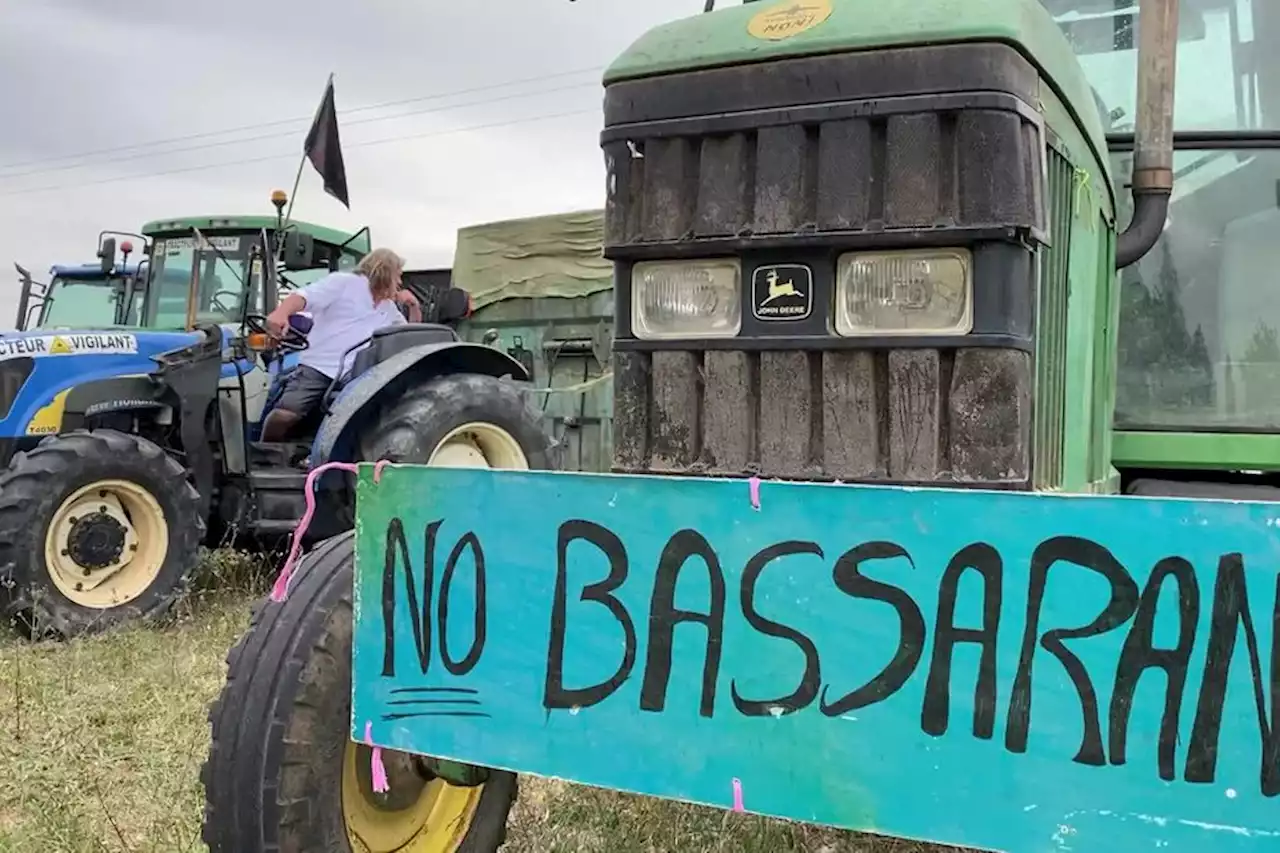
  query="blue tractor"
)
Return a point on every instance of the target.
[
  {"x": 81, "y": 296},
  {"x": 128, "y": 448}
]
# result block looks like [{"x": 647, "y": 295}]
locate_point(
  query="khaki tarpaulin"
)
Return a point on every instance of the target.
[{"x": 559, "y": 255}]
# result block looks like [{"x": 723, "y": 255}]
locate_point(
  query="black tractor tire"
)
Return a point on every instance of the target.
[
  {"x": 273, "y": 779},
  {"x": 33, "y": 488},
  {"x": 409, "y": 428},
  {"x": 280, "y": 728}
]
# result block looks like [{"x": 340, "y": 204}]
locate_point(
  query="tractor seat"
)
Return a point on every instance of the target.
[{"x": 391, "y": 340}]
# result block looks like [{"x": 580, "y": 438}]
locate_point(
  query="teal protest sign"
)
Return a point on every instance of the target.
[{"x": 1009, "y": 671}]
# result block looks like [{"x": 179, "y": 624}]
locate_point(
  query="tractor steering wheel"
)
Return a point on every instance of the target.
[
  {"x": 216, "y": 302},
  {"x": 292, "y": 340}
]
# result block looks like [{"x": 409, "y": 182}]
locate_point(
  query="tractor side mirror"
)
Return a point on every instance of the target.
[
  {"x": 107, "y": 254},
  {"x": 299, "y": 251},
  {"x": 455, "y": 305}
]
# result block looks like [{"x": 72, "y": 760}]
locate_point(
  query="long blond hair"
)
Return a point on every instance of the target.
[{"x": 382, "y": 267}]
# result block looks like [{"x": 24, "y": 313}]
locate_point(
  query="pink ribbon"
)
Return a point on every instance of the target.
[
  {"x": 376, "y": 767},
  {"x": 281, "y": 587}
]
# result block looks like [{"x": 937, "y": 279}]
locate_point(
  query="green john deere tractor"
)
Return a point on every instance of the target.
[{"x": 877, "y": 243}]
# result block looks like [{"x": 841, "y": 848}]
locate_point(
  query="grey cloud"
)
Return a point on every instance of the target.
[{"x": 80, "y": 75}]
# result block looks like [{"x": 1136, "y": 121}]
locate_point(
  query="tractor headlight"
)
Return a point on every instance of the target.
[
  {"x": 916, "y": 292},
  {"x": 686, "y": 299}
]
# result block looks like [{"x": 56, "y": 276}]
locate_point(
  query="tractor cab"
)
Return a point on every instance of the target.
[
  {"x": 443, "y": 306},
  {"x": 208, "y": 270},
  {"x": 1197, "y": 374},
  {"x": 222, "y": 277},
  {"x": 79, "y": 296}
]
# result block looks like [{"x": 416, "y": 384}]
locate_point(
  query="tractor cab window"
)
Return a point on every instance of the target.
[
  {"x": 1200, "y": 313},
  {"x": 81, "y": 303},
  {"x": 1228, "y": 72},
  {"x": 219, "y": 267},
  {"x": 290, "y": 280},
  {"x": 1199, "y": 336}
]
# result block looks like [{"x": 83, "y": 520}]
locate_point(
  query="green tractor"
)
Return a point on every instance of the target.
[{"x": 894, "y": 244}]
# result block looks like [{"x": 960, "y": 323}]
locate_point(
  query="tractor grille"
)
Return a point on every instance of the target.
[
  {"x": 13, "y": 375},
  {"x": 903, "y": 415},
  {"x": 770, "y": 157},
  {"x": 799, "y": 161}
]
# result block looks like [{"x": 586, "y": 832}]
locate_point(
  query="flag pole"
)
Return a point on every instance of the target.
[
  {"x": 302, "y": 164},
  {"x": 297, "y": 181}
]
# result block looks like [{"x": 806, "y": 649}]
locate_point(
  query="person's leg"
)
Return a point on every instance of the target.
[{"x": 299, "y": 398}]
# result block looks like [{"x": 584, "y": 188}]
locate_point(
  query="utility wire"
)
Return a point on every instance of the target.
[
  {"x": 282, "y": 134},
  {"x": 293, "y": 155},
  {"x": 284, "y": 121}
]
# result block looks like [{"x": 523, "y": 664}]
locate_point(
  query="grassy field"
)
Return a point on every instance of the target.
[{"x": 105, "y": 738}]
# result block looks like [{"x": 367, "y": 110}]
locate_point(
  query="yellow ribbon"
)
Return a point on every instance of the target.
[{"x": 1083, "y": 197}]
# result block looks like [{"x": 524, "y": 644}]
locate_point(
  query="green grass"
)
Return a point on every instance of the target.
[{"x": 105, "y": 737}]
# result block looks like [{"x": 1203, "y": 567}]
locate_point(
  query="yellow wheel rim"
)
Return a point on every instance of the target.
[
  {"x": 479, "y": 445},
  {"x": 106, "y": 543},
  {"x": 415, "y": 816},
  {"x": 420, "y": 814}
]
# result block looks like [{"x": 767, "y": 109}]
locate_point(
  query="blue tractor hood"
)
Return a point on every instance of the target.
[{"x": 38, "y": 366}]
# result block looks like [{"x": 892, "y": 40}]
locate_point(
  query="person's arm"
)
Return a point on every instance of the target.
[
  {"x": 278, "y": 319},
  {"x": 410, "y": 302}
]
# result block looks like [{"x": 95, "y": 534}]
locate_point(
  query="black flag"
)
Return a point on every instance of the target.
[{"x": 325, "y": 151}]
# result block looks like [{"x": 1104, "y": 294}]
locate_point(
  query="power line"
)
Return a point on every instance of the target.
[
  {"x": 282, "y": 134},
  {"x": 272, "y": 157},
  {"x": 278, "y": 122}
]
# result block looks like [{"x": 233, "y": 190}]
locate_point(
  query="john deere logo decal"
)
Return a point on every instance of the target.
[
  {"x": 789, "y": 18},
  {"x": 782, "y": 292}
]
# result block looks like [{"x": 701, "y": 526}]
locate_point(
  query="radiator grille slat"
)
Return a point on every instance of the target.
[{"x": 1051, "y": 330}]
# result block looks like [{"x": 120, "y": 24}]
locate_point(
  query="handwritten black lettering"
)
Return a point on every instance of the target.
[
  {"x": 850, "y": 580},
  {"x": 985, "y": 560},
  {"x": 555, "y": 694},
  {"x": 1139, "y": 654},
  {"x": 1121, "y": 604},
  {"x": 398, "y": 547},
  {"x": 479, "y": 626},
  {"x": 811, "y": 677},
  {"x": 664, "y": 616},
  {"x": 1231, "y": 612},
  {"x": 397, "y": 557},
  {"x": 1128, "y": 614}
]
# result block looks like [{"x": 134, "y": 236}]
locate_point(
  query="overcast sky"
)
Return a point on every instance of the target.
[{"x": 81, "y": 76}]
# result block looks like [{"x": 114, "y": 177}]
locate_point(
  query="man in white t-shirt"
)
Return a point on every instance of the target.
[{"x": 346, "y": 308}]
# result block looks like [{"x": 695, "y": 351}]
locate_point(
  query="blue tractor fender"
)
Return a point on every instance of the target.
[{"x": 334, "y": 441}]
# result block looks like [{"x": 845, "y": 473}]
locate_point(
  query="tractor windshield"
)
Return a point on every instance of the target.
[
  {"x": 219, "y": 267},
  {"x": 294, "y": 279},
  {"x": 82, "y": 303},
  {"x": 1200, "y": 313}
]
